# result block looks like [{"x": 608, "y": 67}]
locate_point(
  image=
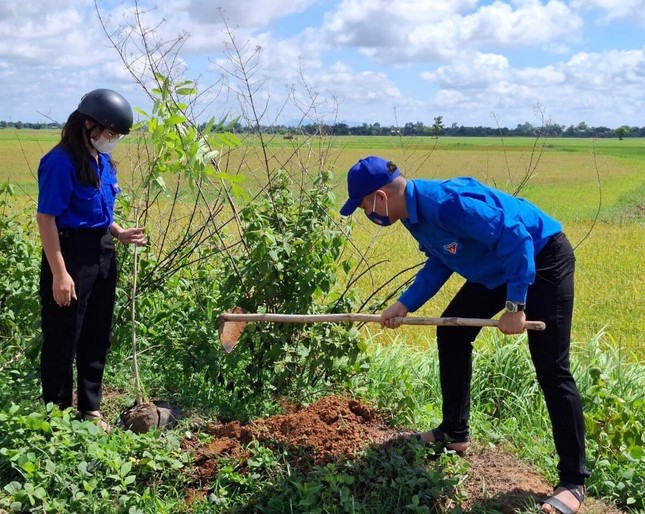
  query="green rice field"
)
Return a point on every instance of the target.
[{"x": 596, "y": 188}]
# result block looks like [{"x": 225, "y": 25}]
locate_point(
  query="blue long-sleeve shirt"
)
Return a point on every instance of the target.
[{"x": 483, "y": 234}]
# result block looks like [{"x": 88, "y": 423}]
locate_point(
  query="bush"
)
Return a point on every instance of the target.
[
  {"x": 19, "y": 298},
  {"x": 614, "y": 407},
  {"x": 53, "y": 462},
  {"x": 289, "y": 263}
]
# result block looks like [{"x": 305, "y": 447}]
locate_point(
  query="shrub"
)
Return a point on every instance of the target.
[
  {"x": 612, "y": 388},
  {"x": 289, "y": 263},
  {"x": 54, "y": 463},
  {"x": 19, "y": 298}
]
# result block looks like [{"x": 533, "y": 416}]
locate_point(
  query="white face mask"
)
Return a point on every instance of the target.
[{"x": 105, "y": 145}]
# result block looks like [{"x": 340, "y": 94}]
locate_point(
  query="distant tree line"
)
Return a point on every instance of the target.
[
  {"x": 438, "y": 129},
  {"x": 27, "y": 125},
  {"x": 412, "y": 129}
]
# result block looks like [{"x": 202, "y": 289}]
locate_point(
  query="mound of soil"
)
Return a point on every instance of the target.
[
  {"x": 341, "y": 427},
  {"x": 323, "y": 431}
]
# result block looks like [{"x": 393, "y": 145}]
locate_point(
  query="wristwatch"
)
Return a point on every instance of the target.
[{"x": 515, "y": 306}]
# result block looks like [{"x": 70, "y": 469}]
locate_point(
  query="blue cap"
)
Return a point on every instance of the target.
[{"x": 365, "y": 177}]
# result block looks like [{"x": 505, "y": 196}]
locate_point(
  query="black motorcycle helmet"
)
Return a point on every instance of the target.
[{"x": 108, "y": 108}]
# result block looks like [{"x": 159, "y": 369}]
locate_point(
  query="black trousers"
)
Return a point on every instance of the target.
[
  {"x": 549, "y": 299},
  {"x": 80, "y": 332}
]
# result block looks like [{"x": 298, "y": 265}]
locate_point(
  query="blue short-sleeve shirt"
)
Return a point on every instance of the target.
[{"x": 75, "y": 205}]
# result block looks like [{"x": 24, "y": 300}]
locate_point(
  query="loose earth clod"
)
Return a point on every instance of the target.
[{"x": 141, "y": 418}]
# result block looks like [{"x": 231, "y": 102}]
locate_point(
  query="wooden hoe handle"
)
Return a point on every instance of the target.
[
  {"x": 368, "y": 318},
  {"x": 232, "y": 323}
]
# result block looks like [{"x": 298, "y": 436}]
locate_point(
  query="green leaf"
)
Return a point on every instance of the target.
[
  {"x": 160, "y": 182},
  {"x": 13, "y": 487},
  {"x": 141, "y": 112},
  {"x": 175, "y": 120},
  {"x": 126, "y": 467},
  {"x": 186, "y": 91},
  {"x": 29, "y": 467},
  {"x": 637, "y": 452}
]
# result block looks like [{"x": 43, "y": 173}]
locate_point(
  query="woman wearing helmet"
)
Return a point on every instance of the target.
[{"x": 77, "y": 186}]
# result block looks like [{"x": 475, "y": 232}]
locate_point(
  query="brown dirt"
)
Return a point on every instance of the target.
[{"x": 338, "y": 426}]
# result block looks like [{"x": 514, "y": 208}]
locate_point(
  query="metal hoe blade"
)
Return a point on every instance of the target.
[{"x": 230, "y": 331}]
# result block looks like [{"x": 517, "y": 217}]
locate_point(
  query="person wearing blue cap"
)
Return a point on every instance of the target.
[
  {"x": 514, "y": 258},
  {"x": 77, "y": 186}
]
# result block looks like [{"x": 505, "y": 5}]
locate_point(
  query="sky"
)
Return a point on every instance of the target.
[{"x": 474, "y": 63}]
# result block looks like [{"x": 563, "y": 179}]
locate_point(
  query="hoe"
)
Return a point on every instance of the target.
[{"x": 232, "y": 323}]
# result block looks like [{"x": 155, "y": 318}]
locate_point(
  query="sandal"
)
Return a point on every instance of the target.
[
  {"x": 457, "y": 444},
  {"x": 97, "y": 419},
  {"x": 578, "y": 491}
]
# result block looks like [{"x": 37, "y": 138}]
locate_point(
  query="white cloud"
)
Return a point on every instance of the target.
[
  {"x": 397, "y": 31},
  {"x": 541, "y": 77},
  {"x": 459, "y": 58},
  {"x": 585, "y": 85},
  {"x": 417, "y": 30},
  {"x": 46, "y": 37},
  {"x": 472, "y": 71},
  {"x": 611, "y": 10},
  {"x": 529, "y": 23},
  {"x": 608, "y": 70},
  {"x": 365, "y": 86},
  {"x": 51, "y": 52},
  {"x": 243, "y": 13}
]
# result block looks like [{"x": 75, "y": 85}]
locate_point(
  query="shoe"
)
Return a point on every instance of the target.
[
  {"x": 557, "y": 505},
  {"x": 439, "y": 437},
  {"x": 97, "y": 419}
]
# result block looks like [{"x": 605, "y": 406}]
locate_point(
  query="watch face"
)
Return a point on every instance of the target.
[{"x": 514, "y": 307}]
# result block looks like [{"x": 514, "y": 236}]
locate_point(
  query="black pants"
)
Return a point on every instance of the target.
[
  {"x": 81, "y": 331},
  {"x": 549, "y": 299}
]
